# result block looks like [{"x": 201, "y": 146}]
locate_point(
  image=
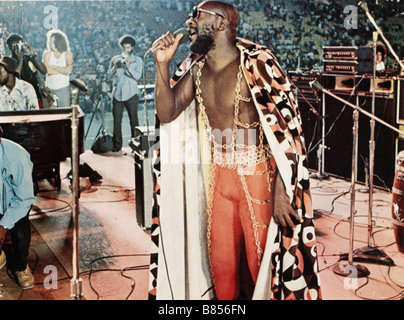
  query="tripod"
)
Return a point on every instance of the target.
[{"x": 99, "y": 108}]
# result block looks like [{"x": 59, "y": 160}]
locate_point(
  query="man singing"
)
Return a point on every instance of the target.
[{"x": 258, "y": 231}]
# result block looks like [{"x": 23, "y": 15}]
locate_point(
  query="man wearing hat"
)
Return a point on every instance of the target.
[
  {"x": 28, "y": 63},
  {"x": 15, "y": 94},
  {"x": 17, "y": 192},
  {"x": 125, "y": 70}
]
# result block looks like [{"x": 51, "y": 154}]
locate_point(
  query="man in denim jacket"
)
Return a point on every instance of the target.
[{"x": 125, "y": 71}]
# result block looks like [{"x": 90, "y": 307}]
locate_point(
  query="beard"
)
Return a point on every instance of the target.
[{"x": 203, "y": 43}]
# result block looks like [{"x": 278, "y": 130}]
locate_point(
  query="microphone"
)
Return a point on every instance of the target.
[
  {"x": 364, "y": 6},
  {"x": 184, "y": 38},
  {"x": 80, "y": 84},
  {"x": 316, "y": 85}
]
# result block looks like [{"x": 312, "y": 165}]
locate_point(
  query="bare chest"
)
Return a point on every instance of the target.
[{"x": 225, "y": 96}]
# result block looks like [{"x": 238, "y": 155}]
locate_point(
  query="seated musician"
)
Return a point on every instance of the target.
[
  {"x": 15, "y": 94},
  {"x": 17, "y": 193}
]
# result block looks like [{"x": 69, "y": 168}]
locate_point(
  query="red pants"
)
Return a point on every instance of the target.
[{"x": 234, "y": 257}]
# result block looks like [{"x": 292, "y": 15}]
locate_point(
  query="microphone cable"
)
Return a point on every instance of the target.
[{"x": 336, "y": 119}]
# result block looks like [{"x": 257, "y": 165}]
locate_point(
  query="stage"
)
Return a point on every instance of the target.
[{"x": 114, "y": 249}]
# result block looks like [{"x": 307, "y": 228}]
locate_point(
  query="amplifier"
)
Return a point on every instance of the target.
[
  {"x": 299, "y": 78},
  {"x": 348, "y": 53},
  {"x": 363, "y": 85},
  {"x": 302, "y": 82},
  {"x": 382, "y": 86},
  {"x": 348, "y": 67}
]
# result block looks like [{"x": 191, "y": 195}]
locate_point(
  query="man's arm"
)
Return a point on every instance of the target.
[
  {"x": 23, "y": 194},
  {"x": 134, "y": 67},
  {"x": 20, "y": 60},
  {"x": 170, "y": 102},
  {"x": 69, "y": 64},
  {"x": 283, "y": 213},
  {"x": 112, "y": 68},
  {"x": 46, "y": 59},
  {"x": 35, "y": 60},
  {"x": 57, "y": 70}
]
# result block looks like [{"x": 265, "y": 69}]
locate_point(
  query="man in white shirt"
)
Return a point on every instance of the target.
[{"x": 15, "y": 94}]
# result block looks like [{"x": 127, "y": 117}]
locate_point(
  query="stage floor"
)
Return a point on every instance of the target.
[{"x": 114, "y": 249}]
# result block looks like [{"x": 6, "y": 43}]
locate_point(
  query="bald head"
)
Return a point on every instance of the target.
[{"x": 227, "y": 10}]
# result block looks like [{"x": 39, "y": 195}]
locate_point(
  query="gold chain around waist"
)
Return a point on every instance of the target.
[{"x": 243, "y": 156}]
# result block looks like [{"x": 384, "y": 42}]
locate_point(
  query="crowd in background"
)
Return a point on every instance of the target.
[{"x": 295, "y": 30}]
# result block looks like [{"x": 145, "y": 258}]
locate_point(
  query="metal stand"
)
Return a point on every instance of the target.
[
  {"x": 344, "y": 269},
  {"x": 100, "y": 108},
  {"x": 321, "y": 175},
  {"x": 75, "y": 282},
  {"x": 371, "y": 253},
  {"x": 357, "y": 109},
  {"x": 320, "y": 152}
]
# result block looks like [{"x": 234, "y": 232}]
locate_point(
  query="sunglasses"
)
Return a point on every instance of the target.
[{"x": 197, "y": 12}]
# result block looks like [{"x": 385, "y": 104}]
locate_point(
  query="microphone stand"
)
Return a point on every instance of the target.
[
  {"x": 320, "y": 152},
  {"x": 370, "y": 252},
  {"x": 369, "y": 255},
  {"x": 321, "y": 175},
  {"x": 75, "y": 282},
  {"x": 350, "y": 269}
]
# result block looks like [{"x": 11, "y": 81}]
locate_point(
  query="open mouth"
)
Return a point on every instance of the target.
[{"x": 192, "y": 34}]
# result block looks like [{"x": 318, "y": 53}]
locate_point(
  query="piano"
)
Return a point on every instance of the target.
[{"x": 46, "y": 134}]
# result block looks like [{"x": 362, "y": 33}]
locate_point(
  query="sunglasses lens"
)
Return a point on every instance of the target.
[{"x": 195, "y": 13}]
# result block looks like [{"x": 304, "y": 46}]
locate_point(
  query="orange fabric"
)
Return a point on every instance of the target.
[{"x": 232, "y": 233}]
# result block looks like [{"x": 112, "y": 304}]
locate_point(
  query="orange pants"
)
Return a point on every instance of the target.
[{"x": 234, "y": 257}]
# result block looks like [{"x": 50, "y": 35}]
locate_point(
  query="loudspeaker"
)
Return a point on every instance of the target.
[
  {"x": 400, "y": 101},
  {"x": 311, "y": 126},
  {"x": 144, "y": 183},
  {"x": 307, "y": 98},
  {"x": 339, "y": 137},
  {"x": 144, "y": 191},
  {"x": 338, "y": 159}
]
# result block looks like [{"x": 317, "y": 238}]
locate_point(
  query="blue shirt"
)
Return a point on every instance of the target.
[
  {"x": 16, "y": 185},
  {"x": 125, "y": 79}
]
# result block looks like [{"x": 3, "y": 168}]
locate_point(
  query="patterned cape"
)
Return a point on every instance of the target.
[{"x": 289, "y": 268}]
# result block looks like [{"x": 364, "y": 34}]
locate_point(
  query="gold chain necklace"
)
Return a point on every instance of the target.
[
  {"x": 264, "y": 155},
  {"x": 237, "y": 122}
]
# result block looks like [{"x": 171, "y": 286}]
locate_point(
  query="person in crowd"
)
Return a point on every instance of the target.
[
  {"x": 29, "y": 66},
  {"x": 260, "y": 238},
  {"x": 381, "y": 52},
  {"x": 125, "y": 70},
  {"x": 17, "y": 192},
  {"x": 15, "y": 94},
  {"x": 58, "y": 60}
]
